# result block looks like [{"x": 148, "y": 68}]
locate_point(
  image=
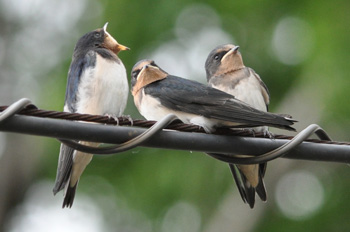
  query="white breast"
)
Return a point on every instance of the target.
[
  {"x": 103, "y": 89},
  {"x": 247, "y": 90}
]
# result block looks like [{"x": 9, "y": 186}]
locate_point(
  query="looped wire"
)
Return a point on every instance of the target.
[
  {"x": 14, "y": 108},
  {"x": 278, "y": 152}
]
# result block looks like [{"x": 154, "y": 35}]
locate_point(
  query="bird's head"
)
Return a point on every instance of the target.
[
  {"x": 145, "y": 72},
  {"x": 100, "y": 38},
  {"x": 223, "y": 59}
]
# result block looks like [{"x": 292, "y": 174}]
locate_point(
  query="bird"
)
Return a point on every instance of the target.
[
  {"x": 157, "y": 94},
  {"x": 225, "y": 71},
  {"x": 96, "y": 84}
]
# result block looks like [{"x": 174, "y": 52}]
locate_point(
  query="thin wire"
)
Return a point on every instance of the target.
[
  {"x": 14, "y": 108},
  {"x": 134, "y": 142},
  {"x": 278, "y": 152}
]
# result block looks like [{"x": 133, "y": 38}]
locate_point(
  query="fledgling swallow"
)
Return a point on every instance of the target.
[
  {"x": 97, "y": 84},
  {"x": 226, "y": 72}
]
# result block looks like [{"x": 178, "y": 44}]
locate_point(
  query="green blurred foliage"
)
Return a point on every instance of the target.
[
  {"x": 332, "y": 217},
  {"x": 151, "y": 180}
]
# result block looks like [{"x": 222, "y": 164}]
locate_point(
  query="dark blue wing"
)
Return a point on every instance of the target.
[{"x": 76, "y": 70}]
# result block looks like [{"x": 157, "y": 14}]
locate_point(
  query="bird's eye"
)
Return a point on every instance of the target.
[
  {"x": 135, "y": 73},
  {"x": 216, "y": 57},
  {"x": 97, "y": 35}
]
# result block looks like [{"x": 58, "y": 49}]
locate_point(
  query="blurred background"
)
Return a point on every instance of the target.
[{"x": 300, "y": 49}]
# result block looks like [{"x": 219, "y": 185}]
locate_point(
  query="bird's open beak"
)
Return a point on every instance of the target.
[{"x": 112, "y": 44}]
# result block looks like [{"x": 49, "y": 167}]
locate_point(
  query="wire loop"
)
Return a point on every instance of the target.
[{"x": 278, "y": 152}]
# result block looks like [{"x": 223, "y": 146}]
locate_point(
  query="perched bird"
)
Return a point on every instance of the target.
[
  {"x": 97, "y": 84},
  {"x": 226, "y": 72}
]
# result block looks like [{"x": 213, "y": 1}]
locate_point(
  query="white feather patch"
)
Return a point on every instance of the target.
[{"x": 103, "y": 89}]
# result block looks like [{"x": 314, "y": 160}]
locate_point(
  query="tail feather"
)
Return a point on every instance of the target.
[
  {"x": 64, "y": 168},
  {"x": 261, "y": 191},
  {"x": 59, "y": 185},
  {"x": 245, "y": 189},
  {"x": 69, "y": 196},
  {"x": 283, "y": 122},
  {"x": 262, "y": 169},
  {"x": 249, "y": 190},
  {"x": 238, "y": 182},
  {"x": 260, "y": 188}
]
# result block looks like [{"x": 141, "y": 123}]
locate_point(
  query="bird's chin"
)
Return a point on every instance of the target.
[{"x": 117, "y": 48}]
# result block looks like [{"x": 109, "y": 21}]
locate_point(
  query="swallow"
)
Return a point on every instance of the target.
[
  {"x": 96, "y": 84},
  {"x": 225, "y": 71}
]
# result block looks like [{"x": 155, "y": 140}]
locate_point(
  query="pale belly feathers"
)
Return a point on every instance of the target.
[{"x": 103, "y": 89}]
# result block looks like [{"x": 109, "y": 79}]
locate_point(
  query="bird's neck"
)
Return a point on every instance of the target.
[{"x": 230, "y": 71}]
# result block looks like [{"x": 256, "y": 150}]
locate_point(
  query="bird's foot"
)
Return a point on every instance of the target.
[
  {"x": 112, "y": 116},
  {"x": 129, "y": 118},
  {"x": 269, "y": 134},
  {"x": 251, "y": 131}
]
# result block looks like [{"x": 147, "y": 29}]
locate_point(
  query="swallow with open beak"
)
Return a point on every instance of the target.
[
  {"x": 225, "y": 71},
  {"x": 97, "y": 84}
]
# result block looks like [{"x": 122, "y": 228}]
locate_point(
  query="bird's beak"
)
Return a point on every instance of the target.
[
  {"x": 148, "y": 66},
  {"x": 142, "y": 71},
  {"x": 235, "y": 49},
  {"x": 112, "y": 44},
  {"x": 230, "y": 52}
]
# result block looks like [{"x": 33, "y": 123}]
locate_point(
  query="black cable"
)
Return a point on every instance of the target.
[{"x": 134, "y": 142}]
